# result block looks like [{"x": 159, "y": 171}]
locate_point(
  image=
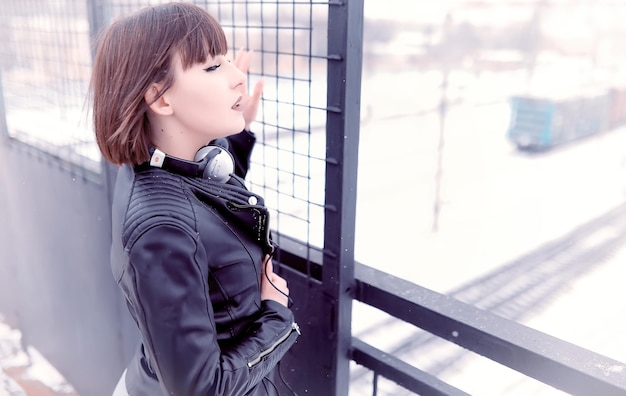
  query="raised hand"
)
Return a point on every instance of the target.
[{"x": 250, "y": 103}]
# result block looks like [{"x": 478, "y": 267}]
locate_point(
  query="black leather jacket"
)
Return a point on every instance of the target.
[{"x": 187, "y": 254}]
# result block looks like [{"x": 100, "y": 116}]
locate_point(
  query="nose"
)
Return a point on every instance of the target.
[{"x": 238, "y": 77}]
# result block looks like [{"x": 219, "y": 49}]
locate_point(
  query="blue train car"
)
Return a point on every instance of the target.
[{"x": 540, "y": 124}]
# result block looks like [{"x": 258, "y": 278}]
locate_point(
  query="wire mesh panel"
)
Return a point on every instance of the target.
[
  {"x": 288, "y": 165},
  {"x": 46, "y": 64},
  {"x": 45, "y": 68}
]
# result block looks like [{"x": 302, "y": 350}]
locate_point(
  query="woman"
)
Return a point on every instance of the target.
[{"x": 191, "y": 247}]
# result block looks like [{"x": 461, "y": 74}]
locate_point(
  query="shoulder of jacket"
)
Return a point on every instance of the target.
[{"x": 157, "y": 198}]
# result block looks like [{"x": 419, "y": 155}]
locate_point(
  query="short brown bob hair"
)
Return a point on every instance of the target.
[{"x": 133, "y": 53}]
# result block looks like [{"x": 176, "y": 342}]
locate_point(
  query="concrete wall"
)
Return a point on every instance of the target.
[{"x": 55, "y": 280}]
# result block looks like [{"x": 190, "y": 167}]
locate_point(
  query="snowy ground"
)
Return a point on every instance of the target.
[
  {"x": 24, "y": 371},
  {"x": 496, "y": 203}
]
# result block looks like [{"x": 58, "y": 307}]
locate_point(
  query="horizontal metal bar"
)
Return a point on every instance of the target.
[
  {"x": 299, "y": 256},
  {"x": 400, "y": 372},
  {"x": 548, "y": 359}
]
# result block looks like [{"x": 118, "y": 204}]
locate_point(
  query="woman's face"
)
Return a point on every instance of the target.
[{"x": 206, "y": 99}]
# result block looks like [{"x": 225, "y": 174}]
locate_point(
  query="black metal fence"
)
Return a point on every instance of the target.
[{"x": 310, "y": 54}]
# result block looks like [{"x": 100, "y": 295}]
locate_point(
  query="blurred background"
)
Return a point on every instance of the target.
[{"x": 493, "y": 136}]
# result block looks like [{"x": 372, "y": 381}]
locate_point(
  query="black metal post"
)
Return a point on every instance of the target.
[{"x": 345, "y": 54}]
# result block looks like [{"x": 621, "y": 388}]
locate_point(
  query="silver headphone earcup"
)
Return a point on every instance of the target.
[{"x": 219, "y": 163}]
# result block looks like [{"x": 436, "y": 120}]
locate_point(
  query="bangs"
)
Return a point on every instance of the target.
[{"x": 205, "y": 38}]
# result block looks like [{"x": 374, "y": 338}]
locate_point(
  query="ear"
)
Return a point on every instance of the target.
[{"x": 160, "y": 105}]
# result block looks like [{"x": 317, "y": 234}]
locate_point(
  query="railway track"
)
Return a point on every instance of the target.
[{"x": 517, "y": 290}]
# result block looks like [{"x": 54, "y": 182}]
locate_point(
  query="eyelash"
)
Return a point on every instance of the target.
[{"x": 212, "y": 68}]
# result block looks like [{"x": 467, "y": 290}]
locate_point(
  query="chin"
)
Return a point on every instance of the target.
[
  {"x": 242, "y": 125},
  {"x": 233, "y": 128}
]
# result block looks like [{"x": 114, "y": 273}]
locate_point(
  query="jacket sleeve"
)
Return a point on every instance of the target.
[
  {"x": 240, "y": 146},
  {"x": 168, "y": 291}
]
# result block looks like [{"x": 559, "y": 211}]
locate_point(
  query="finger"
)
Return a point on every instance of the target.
[
  {"x": 243, "y": 60},
  {"x": 269, "y": 266},
  {"x": 258, "y": 90},
  {"x": 279, "y": 280},
  {"x": 238, "y": 55}
]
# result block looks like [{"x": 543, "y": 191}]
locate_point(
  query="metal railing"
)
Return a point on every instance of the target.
[{"x": 560, "y": 364}]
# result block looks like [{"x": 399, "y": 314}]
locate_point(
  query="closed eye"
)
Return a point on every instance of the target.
[{"x": 212, "y": 68}]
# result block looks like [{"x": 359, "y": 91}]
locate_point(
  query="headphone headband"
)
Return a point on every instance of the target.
[{"x": 211, "y": 162}]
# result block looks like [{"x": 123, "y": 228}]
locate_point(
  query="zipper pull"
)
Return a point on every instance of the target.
[{"x": 295, "y": 327}]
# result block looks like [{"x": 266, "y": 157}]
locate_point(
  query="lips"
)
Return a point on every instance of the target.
[{"x": 237, "y": 103}]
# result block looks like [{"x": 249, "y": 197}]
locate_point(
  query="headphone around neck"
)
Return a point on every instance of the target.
[{"x": 212, "y": 162}]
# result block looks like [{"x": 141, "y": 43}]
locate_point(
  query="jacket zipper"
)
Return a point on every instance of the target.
[{"x": 294, "y": 327}]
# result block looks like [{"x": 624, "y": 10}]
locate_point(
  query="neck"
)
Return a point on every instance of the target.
[{"x": 175, "y": 141}]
